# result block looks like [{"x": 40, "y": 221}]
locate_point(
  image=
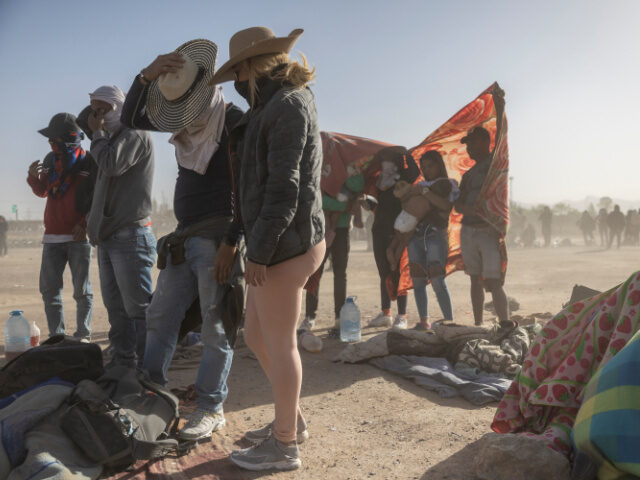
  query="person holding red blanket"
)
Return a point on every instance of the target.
[
  {"x": 65, "y": 239},
  {"x": 479, "y": 241}
]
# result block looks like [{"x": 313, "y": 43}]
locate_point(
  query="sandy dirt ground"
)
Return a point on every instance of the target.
[{"x": 364, "y": 423}]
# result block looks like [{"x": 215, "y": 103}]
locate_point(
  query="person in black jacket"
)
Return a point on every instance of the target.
[
  {"x": 172, "y": 94},
  {"x": 280, "y": 158},
  {"x": 395, "y": 164}
]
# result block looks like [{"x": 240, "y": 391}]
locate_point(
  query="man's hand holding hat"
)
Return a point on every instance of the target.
[{"x": 168, "y": 63}]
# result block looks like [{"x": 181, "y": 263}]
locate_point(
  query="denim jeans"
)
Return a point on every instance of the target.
[
  {"x": 177, "y": 287},
  {"x": 429, "y": 247},
  {"x": 125, "y": 260},
  {"x": 55, "y": 257}
]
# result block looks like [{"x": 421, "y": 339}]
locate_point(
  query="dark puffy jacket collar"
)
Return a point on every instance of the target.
[{"x": 267, "y": 86}]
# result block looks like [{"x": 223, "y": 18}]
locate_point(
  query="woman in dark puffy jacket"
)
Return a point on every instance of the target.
[{"x": 279, "y": 152}]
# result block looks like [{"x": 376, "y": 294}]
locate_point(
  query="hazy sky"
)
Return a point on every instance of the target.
[{"x": 392, "y": 71}]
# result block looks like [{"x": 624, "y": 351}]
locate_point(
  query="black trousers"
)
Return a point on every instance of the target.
[
  {"x": 339, "y": 251},
  {"x": 381, "y": 241}
]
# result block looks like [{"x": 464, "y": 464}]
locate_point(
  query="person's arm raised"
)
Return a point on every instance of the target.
[{"x": 498, "y": 102}]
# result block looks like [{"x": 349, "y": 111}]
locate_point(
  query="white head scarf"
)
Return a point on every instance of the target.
[
  {"x": 115, "y": 97},
  {"x": 197, "y": 142}
]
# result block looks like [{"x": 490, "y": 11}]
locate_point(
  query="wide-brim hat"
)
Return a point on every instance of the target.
[
  {"x": 252, "y": 42},
  {"x": 174, "y": 115}
]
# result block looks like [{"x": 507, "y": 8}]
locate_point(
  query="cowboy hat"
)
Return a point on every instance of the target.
[
  {"x": 177, "y": 99},
  {"x": 252, "y": 42}
]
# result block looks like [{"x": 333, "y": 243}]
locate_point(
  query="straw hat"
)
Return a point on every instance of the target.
[
  {"x": 252, "y": 42},
  {"x": 177, "y": 99}
]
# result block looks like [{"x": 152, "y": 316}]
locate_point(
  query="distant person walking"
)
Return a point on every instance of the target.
[
  {"x": 280, "y": 211},
  {"x": 634, "y": 225},
  {"x": 632, "y": 221},
  {"x": 528, "y": 236},
  {"x": 603, "y": 227},
  {"x": 587, "y": 225},
  {"x": 616, "y": 223},
  {"x": 119, "y": 223},
  {"x": 545, "y": 225},
  {"x": 479, "y": 241},
  {"x": 4, "y": 244},
  {"x": 58, "y": 178}
]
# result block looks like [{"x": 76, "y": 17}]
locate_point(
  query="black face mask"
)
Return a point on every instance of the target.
[{"x": 242, "y": 88}]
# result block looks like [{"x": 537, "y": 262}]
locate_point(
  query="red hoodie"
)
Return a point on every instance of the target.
[{"x": 60, "y": 214}]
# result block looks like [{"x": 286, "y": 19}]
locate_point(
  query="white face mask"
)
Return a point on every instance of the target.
[
  {"x": 112, "y": 121},
  {"x": 388, "y": 175}
]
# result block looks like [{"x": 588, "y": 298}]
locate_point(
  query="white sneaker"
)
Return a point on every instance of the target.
[
  {"x": 381, "y": 320},
  {"x": 307, "y": 324},
  {"x": 202, "y": 424},
  {"x": 400, "y": 322}
]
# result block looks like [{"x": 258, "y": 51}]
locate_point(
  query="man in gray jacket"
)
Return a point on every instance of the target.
[{"x": 119, "y": 223}]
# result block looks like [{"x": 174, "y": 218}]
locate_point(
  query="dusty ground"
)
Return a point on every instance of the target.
[{"x": 364, "y": 423}]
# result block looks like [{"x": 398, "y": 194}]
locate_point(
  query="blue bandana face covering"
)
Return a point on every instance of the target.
[{"x": 66, "y": 153}]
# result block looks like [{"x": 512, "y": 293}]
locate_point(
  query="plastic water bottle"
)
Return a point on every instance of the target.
[
  {"x": 350, "y": 321},
  {"x": 34, "y": 333},
  {"x": 17, "y": 335}
]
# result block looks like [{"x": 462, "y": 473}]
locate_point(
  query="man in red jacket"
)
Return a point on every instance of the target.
[{"x": 65, "y": 240}]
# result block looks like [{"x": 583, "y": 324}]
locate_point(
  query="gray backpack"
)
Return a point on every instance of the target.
[{"x": 120, "y": 418}]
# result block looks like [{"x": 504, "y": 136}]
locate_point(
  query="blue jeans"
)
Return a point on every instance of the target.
[
  {"x": 177, "y": 287},
  {"x": 55, "y": 257},
  {"x": 429, "y": 247},
  {"x": 125, "y": 260}
]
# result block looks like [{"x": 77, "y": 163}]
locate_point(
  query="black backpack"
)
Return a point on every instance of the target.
[
  {"x": 120, "y": 418},
  {"x": 65, "y": 357}
]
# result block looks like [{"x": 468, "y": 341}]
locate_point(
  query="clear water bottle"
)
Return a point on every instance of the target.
[
  {"x": 350, "y": 321},
  {"x": 17, "y": 335},
  {"x": 34, "y": 333}
]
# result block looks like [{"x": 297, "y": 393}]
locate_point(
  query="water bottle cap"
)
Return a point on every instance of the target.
[
  {"x": 351, "y": 299},
  {"x": 15, "y": 313}
]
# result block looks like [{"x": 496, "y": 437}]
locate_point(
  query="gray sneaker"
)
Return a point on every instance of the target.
[
  {"x": 261, "y": 434},
  {"x": 202, "y": 424},
  {"x": 268, "y": 455}
]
